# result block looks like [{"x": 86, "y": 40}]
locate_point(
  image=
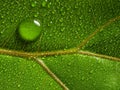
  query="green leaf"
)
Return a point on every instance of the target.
[
  {"x": 22, "y": 74},
  {"x": 87, "y": 31},
  {"x": 66, "y": 21},
  {"x": 82, "y": 72},
  {"x": 106, "y": 42}
]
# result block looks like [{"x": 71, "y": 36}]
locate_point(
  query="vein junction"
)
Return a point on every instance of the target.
[
  {"x": 76, "y": 50},
  {"x": 52, "y": 53}
]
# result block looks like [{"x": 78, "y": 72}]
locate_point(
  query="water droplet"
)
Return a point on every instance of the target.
[
  {"x": 91, "y": 71},
  {"x": 2, "y": 17},
  {"x": 44, "y": 3},
  {"x": 61, "y": 19},
  {"x": 62, "y": 29},
  {"x": 57, "y": 0},
  {"x": 94, "y": 84},
  {"x": 33, "y": 4},
  {"x": 29, "y": 30},
  {"x": 76, "y": 6},
  {"x": 2, "y": 31},
  {"x": 37, "y": 88},
  {"x": 8, "y": 80},
  {"x": 51, "y": 83},
  {"x": 69, "y": 64},
  {"x": 83, "y": 78},
  {"x": 36, "y": 15},
  {"x": 34, "y": 65},
  {"x": 49, "y": 5},
  {"x": 71, "y": 76},
  {"x": 18, "y": 85},
  {"x": 50, "y": 35},
  {"x": 3, "y": 22}
]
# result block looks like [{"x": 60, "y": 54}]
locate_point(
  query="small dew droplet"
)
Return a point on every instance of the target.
[
  {"x": 49, "y": 5},
  {"x": 91, "y": 71},
  {"x": 18, "y": 85},
  {"x": 69, "y": 64},
  {"x": 36, "y": 15},
  {"x": 83, "y": 78},
  {"x": 51, "y": 84},
  {"x": 44, "y": 3},
  {"x": 33, "y": 4},
  {"x": 2, "y": 17}
]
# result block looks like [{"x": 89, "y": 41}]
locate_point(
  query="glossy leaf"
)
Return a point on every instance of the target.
[
  {"x": 21, "y": 74},
  {"x": 68, "y": 26},
  {"x": 82, "y": 72}
]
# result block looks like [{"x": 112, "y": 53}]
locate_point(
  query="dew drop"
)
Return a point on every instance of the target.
[
  {"x": 61, "y": 19},
  {"x": 69, "y": 64},
  {"x": 36, "y": 15},
  {"x": 34, "y": 65},
  {"x": 94, "y": 84},
  {"x": 2, "y": 17},
  {"x": 49, "y": 5},
  {"x": 29, "y": 30},
  {"x": 83, "y": 78},
  {"x": 3, "y": 22},
  {"x": 57, "y": 0},
  {"x": 18, "y": 85},
  {"x": 91, "y": 71},
  {"x": 2, "y": 31},
  {"x": 37, "y": 88},
  {"x": 71, "y": 76},
  {"x": 44, "y": 3},
  {"x": 8, "y": 80},
  {"x": 51, "y": 84},
  {"x": 33, "y": 4}
]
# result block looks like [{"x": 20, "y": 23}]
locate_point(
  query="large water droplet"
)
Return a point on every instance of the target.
[{"x": 29, "y": 30}]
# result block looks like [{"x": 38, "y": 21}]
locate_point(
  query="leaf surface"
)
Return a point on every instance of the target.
[
  {"x": 21, "y": 74},
  {"x": 68, "y": 27},
  {"x": 82, "y": 72}
]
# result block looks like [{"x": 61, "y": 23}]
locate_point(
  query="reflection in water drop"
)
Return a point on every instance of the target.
[{"x": 37, "y": 23}]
